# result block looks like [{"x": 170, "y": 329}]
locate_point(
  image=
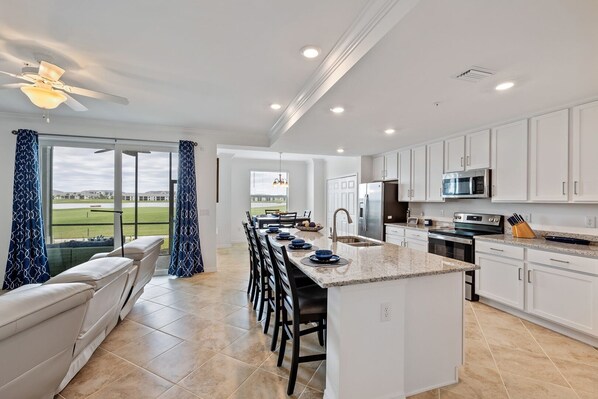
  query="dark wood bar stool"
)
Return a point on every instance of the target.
[
  {"x": 252, "y": 287},
  {"x": 299, "y": 306},
  {"x": 263, "y": 276}
]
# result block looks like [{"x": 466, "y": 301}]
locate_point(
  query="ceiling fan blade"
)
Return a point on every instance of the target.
[
  {"x": 13, "y": 85},
  {"x": 26, "y": 78},
  {"x": 101, "y": 151},
  {"x": 74, "y": 104},
  {"x": 95, "y": 94},
  {"x": 50, "y": 71}
]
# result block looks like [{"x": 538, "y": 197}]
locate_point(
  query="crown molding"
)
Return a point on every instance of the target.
[{"x": 375, "y": 20}]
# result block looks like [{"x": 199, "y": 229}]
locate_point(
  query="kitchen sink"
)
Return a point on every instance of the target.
[{"x": 356, "y": 241}]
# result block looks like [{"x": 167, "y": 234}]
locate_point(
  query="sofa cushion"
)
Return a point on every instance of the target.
[
  {"x": 97, "y": 272},
  {"x": 139, "y": 248}
]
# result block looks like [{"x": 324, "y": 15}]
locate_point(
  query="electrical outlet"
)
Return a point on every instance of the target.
[
  {"x": 385, "y": 312},
  {"x": 591, "y": 222}
]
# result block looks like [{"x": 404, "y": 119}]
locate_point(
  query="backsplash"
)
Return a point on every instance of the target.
[{"x": 554, "y": 218}]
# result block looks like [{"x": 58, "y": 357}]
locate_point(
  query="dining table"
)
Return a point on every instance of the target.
[{"x": 273, "y": 219}]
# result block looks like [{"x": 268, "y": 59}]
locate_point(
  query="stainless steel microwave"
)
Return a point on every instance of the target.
[{"x": 468, "y": 184}]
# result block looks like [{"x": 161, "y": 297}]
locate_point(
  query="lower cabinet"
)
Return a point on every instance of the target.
[
  {"x": 565, "y": 297},
  {"x": 416, "y": 244},
  {"x": 556, "y": 287},
  {"x": 414, "y": 239},
  {"x": 501, "y": 279}
]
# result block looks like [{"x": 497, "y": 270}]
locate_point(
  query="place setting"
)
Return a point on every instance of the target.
[
  {"x": 284, "y": 236},
  {"x": 299, "y": 244},
  {"x": 324, "y": 258}
]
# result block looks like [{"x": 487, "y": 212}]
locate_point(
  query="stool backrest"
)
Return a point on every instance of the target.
[
  {"x": 256, "y": 246},
  {"x": 286, "y": 277},
  {"x": 268, "y": 258},
  {"x": 249, "y": 218},
  {"x": 306, "y": 214}
]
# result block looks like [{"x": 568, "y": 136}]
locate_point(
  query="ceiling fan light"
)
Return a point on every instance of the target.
[{"x": 43, "y": 97}]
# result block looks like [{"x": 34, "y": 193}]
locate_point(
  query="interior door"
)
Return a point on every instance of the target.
[{"x": 342, "y": 193}]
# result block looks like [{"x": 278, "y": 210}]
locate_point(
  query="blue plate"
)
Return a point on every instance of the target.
[
  {"x": 333, "y": 259},
  {"x": 286, "y": 238},
  {"x": 302, "y": 246}
]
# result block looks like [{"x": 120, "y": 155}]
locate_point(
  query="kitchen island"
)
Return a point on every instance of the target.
[{"x": 395, "y": 319}]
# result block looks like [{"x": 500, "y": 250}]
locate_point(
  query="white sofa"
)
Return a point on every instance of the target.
[
  {"x": 38, "y": 329},
  {"x": 109, "y": 278},
  {"x": 144, "y": 252}
]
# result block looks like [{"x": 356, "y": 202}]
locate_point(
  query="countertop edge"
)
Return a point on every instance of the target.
[{"x": 543, "y": 245}]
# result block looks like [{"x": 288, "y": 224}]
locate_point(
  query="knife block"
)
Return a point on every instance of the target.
[{"x": 522, "y": 230}]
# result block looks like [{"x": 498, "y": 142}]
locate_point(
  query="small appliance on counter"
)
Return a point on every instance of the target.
[
  {"x": 567, "y": 240},
  {"x": 427, "y": 222},
  {"x": 520, "y": 227}
]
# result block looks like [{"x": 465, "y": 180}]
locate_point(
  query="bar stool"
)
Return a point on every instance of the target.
[
  {"x": 299, "y": 306},
  {"x": 252, "y": 286},
  {"x": 262, "y": 273}
]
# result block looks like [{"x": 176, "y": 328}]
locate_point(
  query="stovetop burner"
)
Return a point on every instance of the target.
[{"x": 461, "y": 232}]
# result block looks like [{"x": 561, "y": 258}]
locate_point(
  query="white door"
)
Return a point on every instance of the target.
[
  {"x": 418, "y": 173},
  {"x": 585, "y": 159},
  {"x": 477, "y": 150},
  {"x": 405, "y": 175},
  {"x": 509, "y": 158},
  {"x": 434, "y": 171},
  {"x": 549, "y": 157},
  {"x": 342, "y": 193},
  {"x": 565, "y": 297},
  {"x": 500, "y": 279},
  {"x": 391, "y": 168},
  {"x": 454, "y": 154},
  {"x": 378, "y": 168}
]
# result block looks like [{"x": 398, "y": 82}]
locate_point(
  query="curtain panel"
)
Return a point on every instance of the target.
[
  {"x": 27, "y": 255},
  {"x": 185, "y": 258}
]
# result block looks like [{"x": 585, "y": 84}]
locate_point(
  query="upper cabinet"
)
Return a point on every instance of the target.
[
  {"x": 467, "y": 152},
  {"x": 549, "y": 157},
  {"x": 418, "y": 174},
  {"x": 585, "y": 160},
  {"x": 435, "y": 169},
  {"x": 509, "y": 162},
  {"x": 405, "y": 175},
  {"x": 384, "y": 167}
]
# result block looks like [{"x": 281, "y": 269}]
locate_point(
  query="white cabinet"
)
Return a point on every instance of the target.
[
  {"x": 477, "y": 150},
  {"x": 500, "y": 279},
  {"x": 378, "y": 168},
  {"x": 418, "y": 174},
  {"x": 549, "y": 157},
  {"x": 585, "y": 161},
  {"x": 434, "y": 171},
  {"x": 509, "y": 162},
  {"x": 454, "y": 154},
  {"x": 405, "y": 175},
  {"x": 418, "y": 245},
  {"x": 467, "y": 152},
  {"x": 565, "y": 297},
  {"x": 391, "y": 166}
]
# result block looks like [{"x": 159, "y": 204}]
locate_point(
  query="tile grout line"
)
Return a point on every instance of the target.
[
  {"x": 551, "y": 361},
  {"x": 491, "y": 353}
]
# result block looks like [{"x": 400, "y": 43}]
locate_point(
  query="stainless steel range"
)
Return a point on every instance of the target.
[{"x": 459, "y": 243}]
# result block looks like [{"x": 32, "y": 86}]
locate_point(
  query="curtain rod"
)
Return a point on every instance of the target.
[{"x": 15, "y": 132}]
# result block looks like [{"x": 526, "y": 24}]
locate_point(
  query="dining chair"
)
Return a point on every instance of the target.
[
  {"x": 249, "y": 218},
  {"x": 252, "y": 285},
  {"x": 287, "y": 219},
  {"x": 306, "y": 214},
  {"x": 263, "y": 275},
  {"x": 299, "y": 306},
  {"x": 271, "y": 211}
]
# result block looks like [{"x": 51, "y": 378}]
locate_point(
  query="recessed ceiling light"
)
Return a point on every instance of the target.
[
  {"x": 389, "y": 131},
  {"x": 504, "y": 86},
  {"x": 337, "y": 109},
  {"x": 340, "y": 150},
  {"x": 310, "y": 51},
  {"x": 275, "y": 106}
]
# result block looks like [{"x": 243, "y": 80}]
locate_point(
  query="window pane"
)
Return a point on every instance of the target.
[{"x": 264, "y": 196}]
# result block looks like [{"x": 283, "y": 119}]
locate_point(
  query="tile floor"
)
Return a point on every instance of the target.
[{"x": 197, "y": 338}]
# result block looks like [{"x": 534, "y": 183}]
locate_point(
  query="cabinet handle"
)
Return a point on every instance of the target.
[
  {"x": 519, "y": 274},
  {"x": 529, "y": 276},
  {"x": 461, "y": 161},
  {"x": 468, "y": 160},
  {"x": 575, "y": 187},
  {"x": 440, "y": 192},
  {"x": 563, "y": 188},
  {"x": 496, "y": 249},
  {"x": 558, "y": 260}
]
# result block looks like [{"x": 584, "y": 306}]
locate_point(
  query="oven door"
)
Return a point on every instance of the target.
[{"x": 451, "y": 247}]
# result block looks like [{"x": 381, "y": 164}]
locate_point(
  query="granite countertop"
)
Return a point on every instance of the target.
[
  {"x": 371, "y": 264},
  {"x": 419, "y": 227},
  {"x": 542, "y": 244}
]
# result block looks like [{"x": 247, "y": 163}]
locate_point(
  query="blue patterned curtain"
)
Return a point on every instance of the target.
[
  {"x": 27, "y": 256},
  {"x": 185, "y": 257}
]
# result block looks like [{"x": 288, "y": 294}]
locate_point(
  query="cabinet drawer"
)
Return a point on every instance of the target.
[
  {"x": 417, "y": 234},
  {"x": 395, "y": 230},
  {"x": 393, "y": 239},
  {"x": 508, "y": 251},
  {"x": 570, "y": 262}
]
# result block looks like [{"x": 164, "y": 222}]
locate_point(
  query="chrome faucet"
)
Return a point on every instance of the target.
[{"x": 334, "y": 236}]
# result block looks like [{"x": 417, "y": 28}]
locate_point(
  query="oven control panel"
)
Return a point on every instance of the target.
[{"x": 477, "y": 218}]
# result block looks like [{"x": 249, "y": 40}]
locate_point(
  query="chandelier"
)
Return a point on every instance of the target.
[{"x": 280, "y": 181}]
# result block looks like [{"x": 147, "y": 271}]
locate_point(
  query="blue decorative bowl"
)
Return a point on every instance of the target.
[
  {"x": 284, "y": 233},
  {"x": 324, "y": 254},
  {"x": 298, "y": 242},
  {"x": 272, "y": 229}
]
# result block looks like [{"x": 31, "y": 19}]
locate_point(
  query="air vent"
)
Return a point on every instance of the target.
[{"x": 474, "y": 74}]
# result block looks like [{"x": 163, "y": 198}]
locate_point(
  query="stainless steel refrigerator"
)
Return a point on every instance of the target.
[{"x": 379, "y": 204}]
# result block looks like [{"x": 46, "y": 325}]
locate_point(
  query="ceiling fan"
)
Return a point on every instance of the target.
[{"x": 47, "y": 91}]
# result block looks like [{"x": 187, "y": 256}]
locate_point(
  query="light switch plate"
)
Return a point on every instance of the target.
[{"x": 591, "y": 222}]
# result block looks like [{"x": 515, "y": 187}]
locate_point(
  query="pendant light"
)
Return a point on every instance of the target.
[{"x": 279, "y": 181}]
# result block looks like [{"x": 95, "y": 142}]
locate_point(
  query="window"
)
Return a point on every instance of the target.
[{"x": 265, "y": 196}]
